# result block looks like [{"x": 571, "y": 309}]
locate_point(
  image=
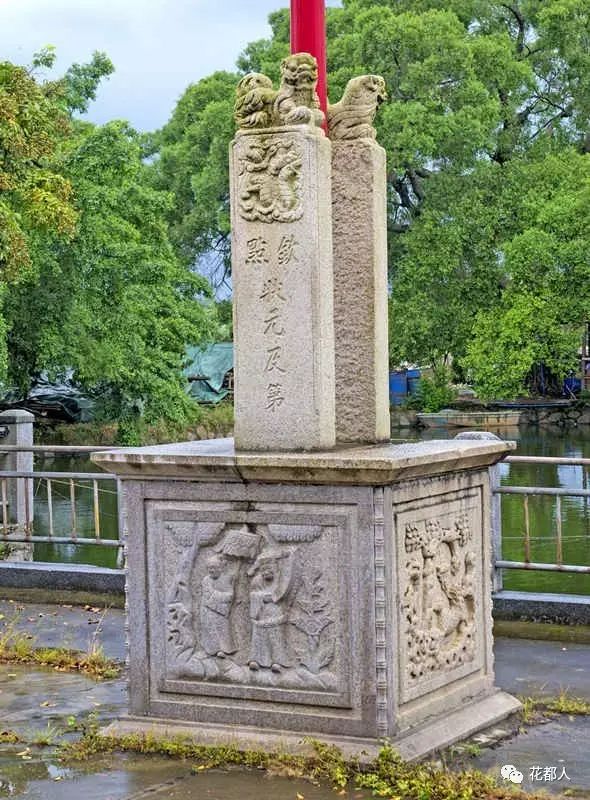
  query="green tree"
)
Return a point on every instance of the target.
[
  {"x": 191, "y": 162},
  {"x": 489, "y": 109},
  {"x": 33, "y": 197},
  {"x": 114, "y": 303}
]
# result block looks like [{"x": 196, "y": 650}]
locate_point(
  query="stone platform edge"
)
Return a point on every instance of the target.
[
  {"x": 377, "y": 465},
  {"x": 413, "y": 745}
]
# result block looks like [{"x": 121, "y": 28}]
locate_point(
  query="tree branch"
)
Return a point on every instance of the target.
[{"x": 520, "y": 20}]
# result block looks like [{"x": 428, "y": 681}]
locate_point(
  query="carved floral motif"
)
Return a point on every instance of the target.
[
  {"x": 250, "y": 606},
  {"x": 438, "y": 601}
]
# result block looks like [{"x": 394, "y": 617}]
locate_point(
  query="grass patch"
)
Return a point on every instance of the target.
[
  {"x": 388, "y": 776},
  {"x": 534, "y": 708},
  {"x": 546, "y": 631},
  {"x": 17, "y": 647}
]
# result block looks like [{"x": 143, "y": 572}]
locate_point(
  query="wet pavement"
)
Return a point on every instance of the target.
[
  {"x": 553, "y": 757},
  {"x": 45, "y": 705}
]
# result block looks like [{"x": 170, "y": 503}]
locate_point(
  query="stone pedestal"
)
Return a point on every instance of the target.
[
  {"x": 359, "y": 218},
  {"x": 283, "y": 289},
  {"x": 343, "y": 595}
]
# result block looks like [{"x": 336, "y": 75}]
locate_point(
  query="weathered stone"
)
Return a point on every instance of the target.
[
  {"x": 359, "y": 210},
  {"x": 259, "y": 106},
  {"x": 359, "y": 216},
  {"x": 355, "y": 610},
  {"x": 352, "y": 118},
  {"x": 283, "y": 289}
]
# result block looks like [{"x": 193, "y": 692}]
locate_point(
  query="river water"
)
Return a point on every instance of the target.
[{"x": 542, "y": 510}]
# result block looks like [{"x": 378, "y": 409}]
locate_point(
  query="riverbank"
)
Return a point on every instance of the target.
[
  {"x": 211, "y": 422},
  {"x": 561, "y": 414}
]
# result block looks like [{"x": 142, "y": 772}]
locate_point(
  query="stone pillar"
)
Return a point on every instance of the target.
[
  {"x": 359, "y": 214},
  {"x": 19, "y": 424},
  {"x": 283, "y": 289}
]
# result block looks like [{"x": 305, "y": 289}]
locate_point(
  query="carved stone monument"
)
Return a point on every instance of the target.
[
  {"x": 282, "y": 264},
  {"x": 342, "y": 592},
  {"x": 359, "y": 212}
]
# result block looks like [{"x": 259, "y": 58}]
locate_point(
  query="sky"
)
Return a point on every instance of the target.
[{"x": 158, "y": 47}]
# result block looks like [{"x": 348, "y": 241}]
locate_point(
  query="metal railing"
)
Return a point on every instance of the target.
[
  {"x": 526, "y": 492},
  {"x": 42, "y": 484}
]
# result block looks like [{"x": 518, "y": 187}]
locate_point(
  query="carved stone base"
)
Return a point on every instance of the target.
[
  {"x": 337, "y": 594},
  {"x": 417, "y": 744}
]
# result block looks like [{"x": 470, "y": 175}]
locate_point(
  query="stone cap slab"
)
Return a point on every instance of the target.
[{"x": 377, "y": 465}]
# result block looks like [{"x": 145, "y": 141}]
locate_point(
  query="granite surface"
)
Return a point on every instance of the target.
[{"x": 375, "y": 465}]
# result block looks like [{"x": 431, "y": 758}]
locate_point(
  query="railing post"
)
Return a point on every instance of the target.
[
  {"x": 16, "y": 427},
  {"x": 496, "y": 500}
]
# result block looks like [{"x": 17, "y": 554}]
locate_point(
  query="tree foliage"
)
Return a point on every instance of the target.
[
  {"x": 32, "y": 195},
  {"x": 104, "y": 294},
  {"x": 487, "y": 124}
]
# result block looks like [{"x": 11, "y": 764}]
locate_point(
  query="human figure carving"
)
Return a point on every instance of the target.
[
  {"x": 353, "y": 117},
  {"x": 217, "y": 597},
  {"x": 269, "y": 605}
]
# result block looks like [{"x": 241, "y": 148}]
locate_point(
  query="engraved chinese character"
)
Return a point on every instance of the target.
[
  {"x": 563, "y": 775},
  {"x": 536, "y": 773},
  {"x": 287, "y": 252},
  {"x": 274, "y": 396},
  {"x": 272, "y": 290},
  {"x": 273, "y": 359},
  {"x": 257, "y": 251},
  {"x": 272, "y": 323},
  {"x": 549, "y": 773}
]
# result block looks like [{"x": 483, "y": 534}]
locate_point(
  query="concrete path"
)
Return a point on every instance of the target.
[{"x": 41, "y": 703}]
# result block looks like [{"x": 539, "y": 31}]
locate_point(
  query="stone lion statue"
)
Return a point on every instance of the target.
[
  {"x": 259, "y": 105},
  {"x": 353, "y": 116},
  {"x": 255, "y": 99},
  {"x": 297, "y": 101}
]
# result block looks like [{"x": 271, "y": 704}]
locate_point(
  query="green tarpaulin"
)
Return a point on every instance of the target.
[{"x": 210, "y": 365}]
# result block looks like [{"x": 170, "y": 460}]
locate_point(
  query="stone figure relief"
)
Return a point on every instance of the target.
[
  {"x": 217, "y": 597},
  {"x": 272, "y": 577},
  {"x": 353, "y": 117},
  {"x": 269, "y": 180},
  {"x": 258, "y": 105},
  {"x": 249, "y": 605},
  {"x": 438, "y": 604}
]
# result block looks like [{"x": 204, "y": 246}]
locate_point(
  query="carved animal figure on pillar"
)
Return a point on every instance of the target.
[
  {"x": 258, "y": 105},
  {"x": 353, "y": 116}
]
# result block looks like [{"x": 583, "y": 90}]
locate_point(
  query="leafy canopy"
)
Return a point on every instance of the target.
[
  {"x": 487, "y": 133},
  {"x": 100, "y": 290}
]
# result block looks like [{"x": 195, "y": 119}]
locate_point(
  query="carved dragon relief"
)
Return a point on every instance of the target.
[
  {"x": 249, "y": 605},
  {"x": 438, "y": 606},
  {"x": 269, "y": 180}
]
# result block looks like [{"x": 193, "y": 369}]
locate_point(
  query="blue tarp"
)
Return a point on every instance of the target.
[{"x": 210, "y": 365}]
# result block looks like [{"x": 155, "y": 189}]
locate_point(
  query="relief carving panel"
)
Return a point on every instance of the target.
[
  {"x": 440, "y": 554},
  {"x": 253, "y": 604},
  {"x": 269, "y": 180}
]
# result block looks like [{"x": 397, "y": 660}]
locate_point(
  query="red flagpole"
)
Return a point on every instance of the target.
[{"x": 308, "y": 35}]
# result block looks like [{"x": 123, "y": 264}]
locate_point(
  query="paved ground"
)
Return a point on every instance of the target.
[{"x": 39, "y": 702}]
